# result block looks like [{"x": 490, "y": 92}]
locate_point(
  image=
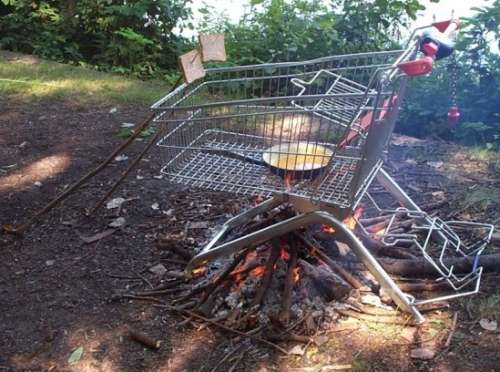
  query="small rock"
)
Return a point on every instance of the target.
[
  {"x": 155, "y": 206},
  {"x": 489, "y": 325},
  {"x": 158, "y": 270},
  {"x": 22, "y": 144},
  {"x": 422, "y": 354},
  {"x": 113, "y": 110},
  {"x": 38, "y": 184},
  {"x": 128, "y": 125},
  {"x": 49, "y": 262},
  {"x": 139, "y": 177},
  {"x": 117, "y": 222},
  {"x": 160, "y": 177}
]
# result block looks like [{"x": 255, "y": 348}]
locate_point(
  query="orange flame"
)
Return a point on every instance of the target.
[
  {"x": 380, "y": 232},
  {"x": 199, "y": 271},
  {"x": 328, "y": 229},
  {"x": 288, "y": 181},
  {"x": 258, "y": 271},
  {"x": 296, "y": 275},
  {"x": 350, "y": 221},
  {"x": 284, "y": 254}
]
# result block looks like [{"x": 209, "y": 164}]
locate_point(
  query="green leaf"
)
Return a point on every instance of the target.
[{"x": 76, "y": 355}]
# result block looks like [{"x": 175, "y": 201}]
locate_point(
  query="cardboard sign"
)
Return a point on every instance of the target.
[
  {"x": 191, "y": 66},
  {"x": 212, "y": 47}
]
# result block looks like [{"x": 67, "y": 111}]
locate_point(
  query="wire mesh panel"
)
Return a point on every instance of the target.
[{"x": 300, "y": 128}]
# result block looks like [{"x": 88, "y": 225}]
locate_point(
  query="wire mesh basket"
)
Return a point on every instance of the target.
[
  {"x": 443, "y": 245},
  {"x": 313, "y": 129}
]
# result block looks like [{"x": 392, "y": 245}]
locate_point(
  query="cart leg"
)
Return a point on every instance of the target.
[
  {"x": 343, "y": 233},
  {"x": 240, "y": 219}
]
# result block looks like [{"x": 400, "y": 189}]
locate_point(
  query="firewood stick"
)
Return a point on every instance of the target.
[
  {"x": 423, "y": 286},
  {"x": 367, "y": 222},
  {"x": 435, "y": 205},
  {"x": 143, "y": 338},
  {"x": 394, "y": 252},
  {"x": 289, "y": 282},
  {"x": 268, "y": 274},
  {"x": 348, "y": 277},
  {"x": 377, "y": 227}
]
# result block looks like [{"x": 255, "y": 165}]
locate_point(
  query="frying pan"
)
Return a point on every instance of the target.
[{"x": 301, "y": 159}]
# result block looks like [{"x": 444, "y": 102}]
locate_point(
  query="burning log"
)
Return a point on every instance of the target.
[
  {"x": 315, "y": 251},
  {"x": 370, "y": 221},
  {"x": 268, "y": 274},
  {"x": 330, "y": 285},
  {"x": 284, "y": 316}
]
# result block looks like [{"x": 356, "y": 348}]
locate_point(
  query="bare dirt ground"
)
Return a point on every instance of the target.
[{"x": 56, "y": 289}]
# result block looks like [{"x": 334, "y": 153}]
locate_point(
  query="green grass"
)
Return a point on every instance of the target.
[{"x": 32, "y": 80}]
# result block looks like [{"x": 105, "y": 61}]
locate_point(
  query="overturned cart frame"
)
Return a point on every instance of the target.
[{"x": 311, "y": 134}]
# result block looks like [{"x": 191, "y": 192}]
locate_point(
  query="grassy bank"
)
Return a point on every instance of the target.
[{"x": 31, "y": 79}]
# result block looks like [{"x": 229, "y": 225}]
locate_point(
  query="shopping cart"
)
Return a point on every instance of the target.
[{"x": 311, "y": 134}]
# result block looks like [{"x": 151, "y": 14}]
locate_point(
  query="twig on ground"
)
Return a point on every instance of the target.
[
  {"x": 227, "y": 356},
  {"x": 452, "y": 330},
  {"x": 194, "y": 315}
]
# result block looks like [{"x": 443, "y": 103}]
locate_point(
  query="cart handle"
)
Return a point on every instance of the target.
[{"x": 435, "y": 43}]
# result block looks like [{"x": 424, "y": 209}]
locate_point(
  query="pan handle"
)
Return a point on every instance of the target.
[{"x": 235, "y": 155}]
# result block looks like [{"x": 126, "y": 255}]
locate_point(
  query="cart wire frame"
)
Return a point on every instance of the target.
[{"x": 241, "y": 112}]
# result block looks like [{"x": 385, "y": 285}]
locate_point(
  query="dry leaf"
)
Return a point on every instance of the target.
[
  {"x": 118, "y": 222},
  {"x": 489, "y": 325},
  {"x": 98, "y": 236},
  {"x": 121, "y": 157},
  {"x": 115, "y": 203},
  {"x": 158, "y": 270},
  {"x": 76, "y": 355},
  {"x": 296, "y": 350}
]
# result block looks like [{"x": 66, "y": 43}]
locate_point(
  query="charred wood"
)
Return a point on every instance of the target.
[{"x": 330, "y": 285}]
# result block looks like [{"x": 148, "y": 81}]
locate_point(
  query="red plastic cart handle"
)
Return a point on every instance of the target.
[{"x": 423, "y": 65}]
